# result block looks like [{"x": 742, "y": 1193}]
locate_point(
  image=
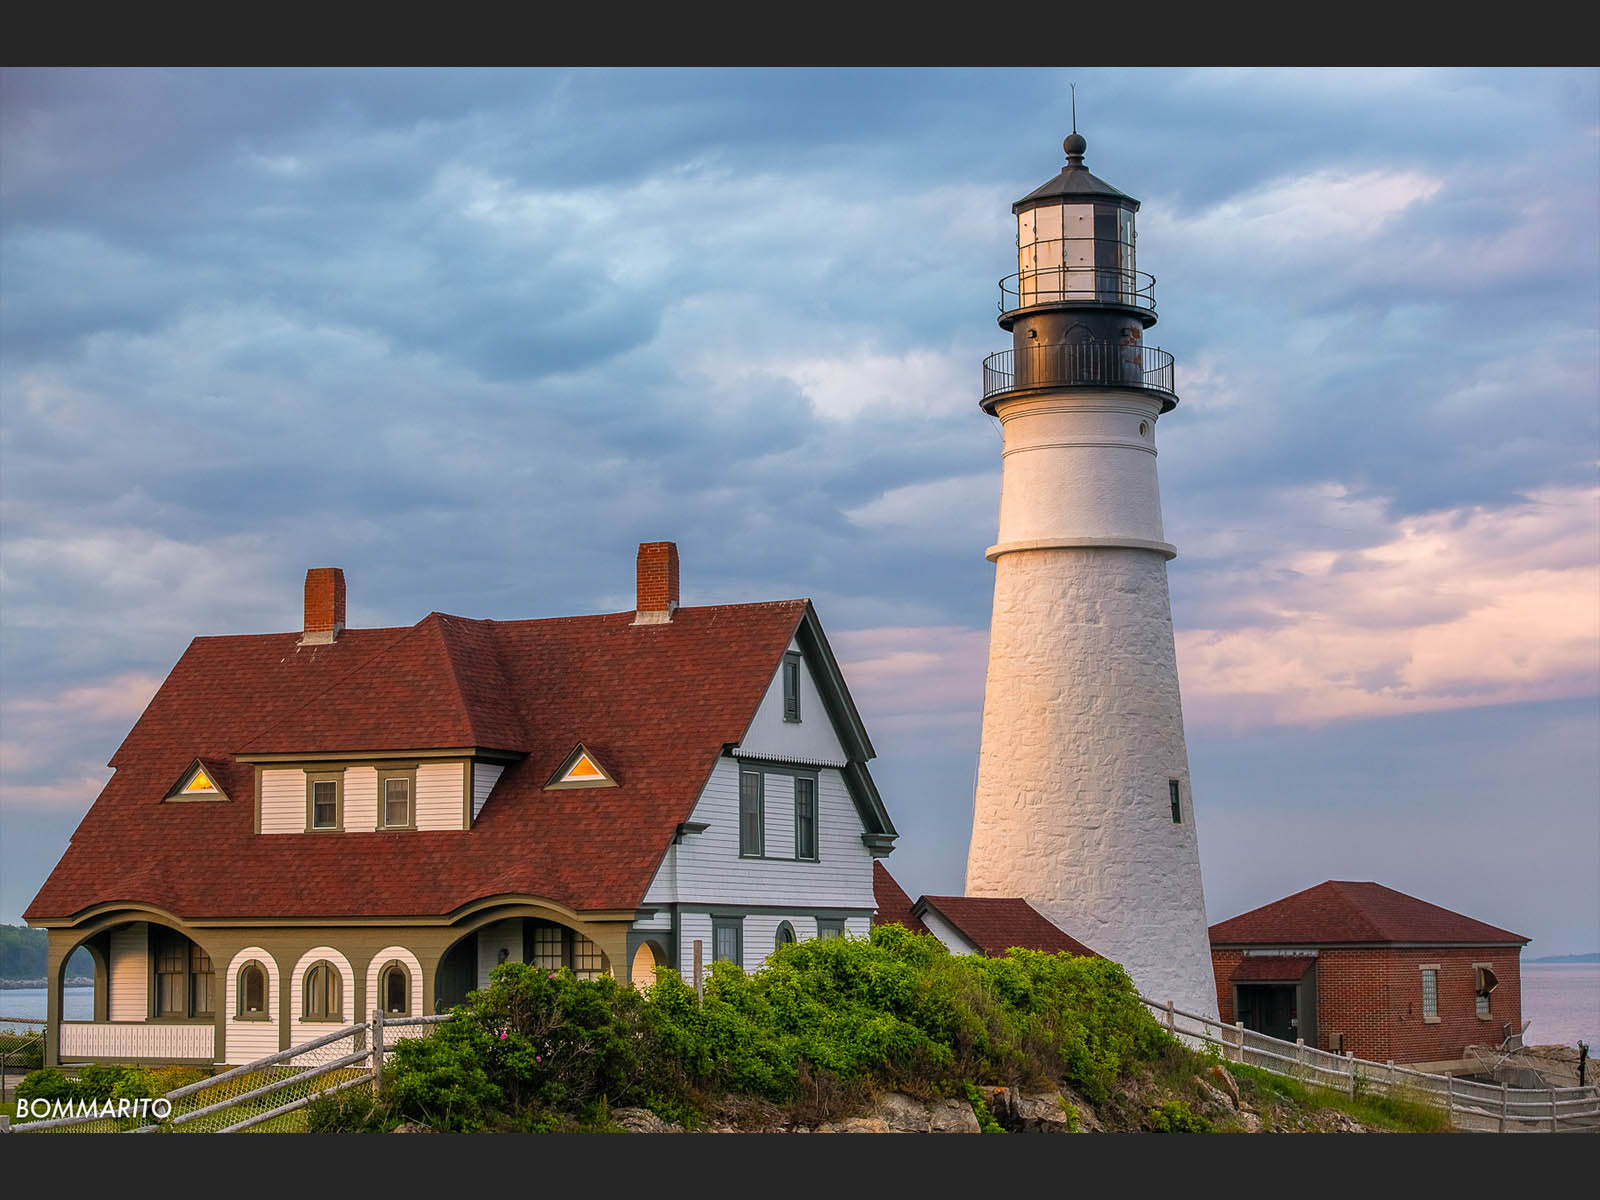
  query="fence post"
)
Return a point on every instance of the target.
[
  {"x": 1503, "y": 1098},
  {"x": 5, "y": 1123},
  {"x": 1238, "y": 1033},
  {"x": 1169, "y": 1022},
  {"x": 377, "y": 1051},
  {"x": 698, "y": 991},
  {"x": 1389, "y": 1078},
  {"x": 1300, "y": 1055},
  {"x": 1554, "y": 1126},
  {"x": 1350, "y": 1057},
  {"x": 1450, "y": 1098}
]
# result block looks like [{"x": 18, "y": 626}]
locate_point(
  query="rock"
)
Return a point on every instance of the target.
[
  {"x": 1040, "y": 1112},
  {"x": 1248, "y": 1121},
  {"x": 952, "y": 1116},
  {"x": 1001, "y": 1102},
  {"x": 411, "y": 1127},
  {"x": 1213, "y": 1097},
  {"x": 860, "y": 1125},
  {"x": 1224, "y": 1080},
  {"x": 642, "y": 1120},
  {"x": 903, "y": 1114},
  {"x": 1087, "y": 1121}
]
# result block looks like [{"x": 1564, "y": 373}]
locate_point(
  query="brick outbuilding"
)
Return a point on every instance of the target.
[{"x": 1362, "y": 968}]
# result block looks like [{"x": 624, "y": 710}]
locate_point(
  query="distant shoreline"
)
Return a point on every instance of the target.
[
  {"x": 31, "y": 984},
  {"x": 1564, "y": 960}
]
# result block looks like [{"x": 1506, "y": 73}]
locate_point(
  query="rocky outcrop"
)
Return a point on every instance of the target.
[{"x": 642, "y": 1120}]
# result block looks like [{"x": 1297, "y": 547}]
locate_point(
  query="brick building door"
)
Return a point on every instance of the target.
[{"x": 1269, "y": 1009}]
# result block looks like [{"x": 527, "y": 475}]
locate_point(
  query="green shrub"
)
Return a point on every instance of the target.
[
  {"x": 980, "y": 1109},
  {"x": 1175, "y": 1117},
  {"x": 353, "y": 1110},
  {"x": 46, "y": 1084}
]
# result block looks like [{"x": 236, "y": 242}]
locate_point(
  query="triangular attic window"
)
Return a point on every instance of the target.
[
  {"x": 581, "y": 769},
  {"x": 197, "y": 783}
]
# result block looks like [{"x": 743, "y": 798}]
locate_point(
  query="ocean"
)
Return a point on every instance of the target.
[{"x": 1562, "y": 1000}]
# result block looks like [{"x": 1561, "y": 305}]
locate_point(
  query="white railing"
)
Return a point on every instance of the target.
[
  {"x": 1467, "y": 1103},
  {"x": 156, "y": 1040},
  {"x": 271, "y": 1087}
]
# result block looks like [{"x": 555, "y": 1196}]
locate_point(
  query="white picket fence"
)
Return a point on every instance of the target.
[
  {"x": 265, "y": 1091},
  {"x": 1467, "y": 1103}
]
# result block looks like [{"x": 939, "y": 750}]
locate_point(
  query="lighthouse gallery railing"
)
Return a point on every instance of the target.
[{"x": 1068, "y": 364}]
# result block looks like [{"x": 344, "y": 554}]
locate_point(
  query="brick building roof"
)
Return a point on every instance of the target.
[
  {"x": 1273, "y": 968},
  {"x": 656, "y": 703},
  {"x": 1340, "y": 912},
  {"x": 994, "y": 924}
]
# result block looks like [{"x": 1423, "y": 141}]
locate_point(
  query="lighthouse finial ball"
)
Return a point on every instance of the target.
[{"x": 1075, "y": 145}]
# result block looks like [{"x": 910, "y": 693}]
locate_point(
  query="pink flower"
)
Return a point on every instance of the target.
[
  {"x": 538, "y": 1058},
  {"x": 502, "y": 1037},
  {"x": 552, "y": 975}
]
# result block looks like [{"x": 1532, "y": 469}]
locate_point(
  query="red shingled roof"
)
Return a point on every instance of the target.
[
  {"x": 894, "y": 906},
  {"x": 994, "y": 924},
  {"x": 1341, "y": 912},
  {"x": 656, "y": 703},
  {"x": 1273, "y": 968}
]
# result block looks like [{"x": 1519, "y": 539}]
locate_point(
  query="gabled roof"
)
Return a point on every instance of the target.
[
  {"x": 657, "y": 703},
  {"x": 1340, "y": 912},
  {"x": 994, "y": 924},
  {"x": 894, "y": 906},
  {"x": 1272, "y": 968}
]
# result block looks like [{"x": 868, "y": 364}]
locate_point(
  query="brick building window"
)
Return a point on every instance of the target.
[{"x": 1430, "y": 993}]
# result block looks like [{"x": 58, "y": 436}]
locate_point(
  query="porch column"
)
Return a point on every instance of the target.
[{"x": 57, "y": 947}]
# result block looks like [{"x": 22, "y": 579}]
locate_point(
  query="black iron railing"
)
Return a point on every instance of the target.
[
  {"x": 1104, "y": 363},
  {"x": 1055, "y": 282}
]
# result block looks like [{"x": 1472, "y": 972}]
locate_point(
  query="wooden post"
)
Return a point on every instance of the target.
[
  {"x": 1169, "y": 1016},
  {"x": 1389, "y": 1080},
  {"x": 377, "y": 1051},
  {"x": 1300, "y": 1055},
  {"x": 1503, "y": 1098},
  {"x": 1238, "y": 1031},
  {"x": 1554, "y": 1126},
  {"x": 5, "y": 1123},
  {"x": 1350, "y": 1058},
  {"x": 698, "y": 963},
  {"x": 1450, "y": 1098}
]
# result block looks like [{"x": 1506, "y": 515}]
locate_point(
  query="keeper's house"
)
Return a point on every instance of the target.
[
  {"x": 1360, "y": 968},
  {"x": 305, "y": 827}
]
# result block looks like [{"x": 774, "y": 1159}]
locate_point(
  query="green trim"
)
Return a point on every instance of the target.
[
  {"x": 337, "y": 976},
  {"x": 831, "y": 926},
  {"x": 779, "y": 940},
  {"x": 367, "y": 758},
  {"x": 831, "y": 687},
  {"x": 175, "y": 793},
  {"x": 785, "y": 910},
  {"x": 758, "y": 774},
  {"x": 467, "y": 783},
  {"x": 556, "y": 783},
  {"x": 327, "y": 776},
  {"x": 816, "y": 820}
]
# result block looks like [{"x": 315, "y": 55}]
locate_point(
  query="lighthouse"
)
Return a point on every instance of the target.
[{"x": 1083, "y": 805}]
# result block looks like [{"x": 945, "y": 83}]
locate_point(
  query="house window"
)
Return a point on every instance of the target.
[
  {"x": 253, "y": 992},
  {"x": 785, "y": 935},
  {"x": 750, "y": 821},
  {"x": 199, "y": 982},
  {"x": 394, "y": 990},
  {"x": 172, "y": 975},
  {"x": 585, "y": 957},
  {"x": 324, "y": 999},
  {"x": 396, "y": 792},
  {"x": 791, "y": 687},
  {"x": 830, "y": 927},
  {"x": 1430, "y": 993},
  {"x": 1177, "y": 808},
  {"x": 805, "y": 817},
  {"x": 727, "y": 937},
  {"x": 324, "y": 796},
  {"x": 549, "y": 947},
  {"x": 1483, "y": 982}
]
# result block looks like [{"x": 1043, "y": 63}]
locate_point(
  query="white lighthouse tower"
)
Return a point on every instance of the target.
[{"x": 1083, "y": 804}]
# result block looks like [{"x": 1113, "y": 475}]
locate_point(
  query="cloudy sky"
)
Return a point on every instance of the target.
[{"x": 473, "y": 335}]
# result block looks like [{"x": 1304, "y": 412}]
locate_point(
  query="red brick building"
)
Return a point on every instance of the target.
[
  {"x": 987, "y": 925},
  {"x": 1361, "y": 968}
]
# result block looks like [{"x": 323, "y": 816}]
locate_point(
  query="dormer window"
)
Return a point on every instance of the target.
[
  {"x": 324, "y": 801},
  {"x": 198, "y": 782},
  {"x": 397, "y": 790},
  {"x": 791, "y": 687}
]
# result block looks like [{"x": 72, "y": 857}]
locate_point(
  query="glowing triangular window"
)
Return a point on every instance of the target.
[
  {"x": 581, "y": 769},
  {"x": 200, "y": 782},
  {"x": 196, "y": 783}
]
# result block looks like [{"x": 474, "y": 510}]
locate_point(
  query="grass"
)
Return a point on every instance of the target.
[{"x": 1397, "y": 1113}]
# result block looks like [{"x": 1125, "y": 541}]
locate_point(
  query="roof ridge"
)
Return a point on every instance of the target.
[{"x": 467, "y": 706}]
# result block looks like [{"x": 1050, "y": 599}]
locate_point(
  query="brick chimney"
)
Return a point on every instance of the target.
[
  {"x": 324, "y": 605},
  {"x": 658, "y": 583}
]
